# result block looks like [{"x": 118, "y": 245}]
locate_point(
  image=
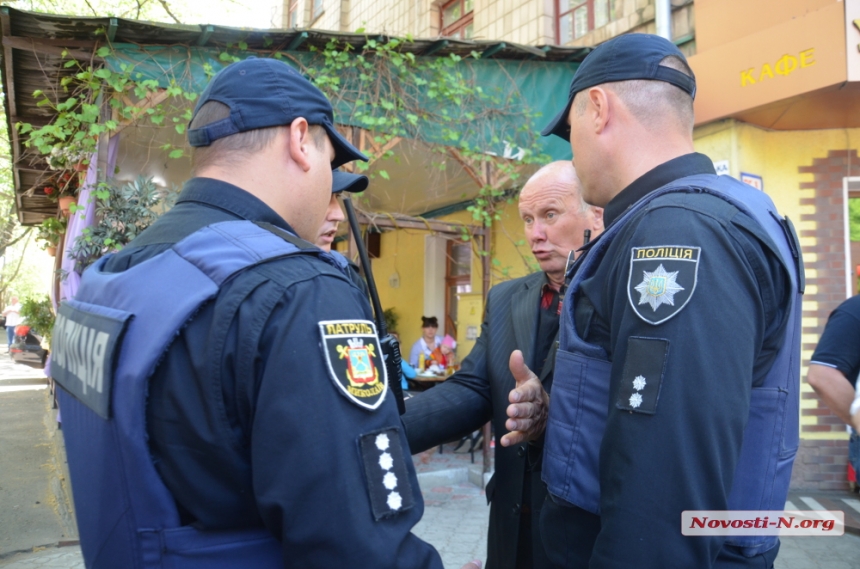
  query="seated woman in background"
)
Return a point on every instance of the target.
[{"x": 425, "y": 345}]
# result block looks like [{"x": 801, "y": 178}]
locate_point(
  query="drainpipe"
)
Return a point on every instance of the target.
[{"x": 663, "y": 18}]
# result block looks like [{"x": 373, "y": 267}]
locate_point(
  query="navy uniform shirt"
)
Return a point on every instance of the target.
[
  {"x": 681, "y": 452},
  {"x": 839, "y": 346},
  {"x": 245, "y": 422}
]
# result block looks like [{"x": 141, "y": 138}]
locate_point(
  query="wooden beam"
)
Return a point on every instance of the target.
[
  {"x": 9, "y": 79},
  {"x": 400, "y": 221},
  {"x": 142, "y": 106},
  {"x": 467, "y": 167},
  {"x": 47, "y": 48}
]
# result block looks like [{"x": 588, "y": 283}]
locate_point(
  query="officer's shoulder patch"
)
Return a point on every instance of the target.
[
  {"x": 662, "y": 280},
  {"x": 386, "y": 472},
  {"x": 354, "y": 359},
  {"x": 642, "y": 375}
]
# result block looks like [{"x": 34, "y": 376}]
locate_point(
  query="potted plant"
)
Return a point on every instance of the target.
[
  {"x": 50, "y": 232},
  {"x": 39, "y": 315},
  {"x": 123, "y": 211},
  {"x": 63, "y": 188}
]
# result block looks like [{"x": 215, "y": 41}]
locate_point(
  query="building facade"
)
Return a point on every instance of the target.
[{"x": 532, "y": 22}]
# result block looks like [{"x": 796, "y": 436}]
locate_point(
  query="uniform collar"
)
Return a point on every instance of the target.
[
  {"x": 680, "y": 167},
  {"x": 230, "y": 199}
]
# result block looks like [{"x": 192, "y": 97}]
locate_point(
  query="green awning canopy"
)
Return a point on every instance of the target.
[{"x": 539, "y": 86}]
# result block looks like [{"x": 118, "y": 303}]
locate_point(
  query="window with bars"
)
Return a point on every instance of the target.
[
  {"x": 293, "y": 20},
  {"x": 458, "y": 280},
  {"x": 317, "y": 9},
  {"x": 575, "y": 18},
  {"x": 458, "y": 19}
]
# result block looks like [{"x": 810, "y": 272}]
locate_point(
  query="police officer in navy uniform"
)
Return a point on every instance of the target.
[
  {"x": 677, "y": 374},
  {"x": 341, "y": 182},
  {"x": 272, "y": 437}
]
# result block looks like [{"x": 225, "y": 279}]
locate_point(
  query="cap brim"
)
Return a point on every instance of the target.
[
  {"x": 346, "y": 182},
  {"x": 343, "y": 151},
  {"x": 559, "y": 125}
]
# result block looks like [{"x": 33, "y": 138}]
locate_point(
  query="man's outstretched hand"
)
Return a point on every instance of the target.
[
  {"x": 476, "y": 564},
  {"x": 529, "y": 404}
]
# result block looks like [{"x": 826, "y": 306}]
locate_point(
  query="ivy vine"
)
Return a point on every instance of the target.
[{"x": 389, "y": 92}]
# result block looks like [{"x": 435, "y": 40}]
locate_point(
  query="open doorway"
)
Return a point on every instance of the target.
[
  {"x": 852, "y": 233},
  {"x": 458, "y": 280}
]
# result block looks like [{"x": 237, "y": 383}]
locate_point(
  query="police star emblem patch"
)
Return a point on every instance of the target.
[
  {"x": 355, "y": 361},
  {"x": 662, "y": 280}
]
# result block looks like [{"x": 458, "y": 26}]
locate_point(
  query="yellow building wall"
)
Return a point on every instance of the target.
[{"x": 776, "y": 156}]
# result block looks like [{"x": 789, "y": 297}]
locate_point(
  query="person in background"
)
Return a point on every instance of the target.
[
  {"x": 12, "y": 312},
  {"x": 443, "y": 356},
  {"x": 835, "y": 366},
  {"x": 408, "y": 371},
  {"x": 341, "y": 182},
  {"x": 855, "y": 412},
  {"x": 520, "y": 314},
  {"x": 425, "y": 345}
]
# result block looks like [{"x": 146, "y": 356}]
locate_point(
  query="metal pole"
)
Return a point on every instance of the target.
[{"x": 663, "y": 18}]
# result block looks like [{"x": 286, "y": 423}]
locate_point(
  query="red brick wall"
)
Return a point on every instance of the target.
[{"x": 820, "y": 464}]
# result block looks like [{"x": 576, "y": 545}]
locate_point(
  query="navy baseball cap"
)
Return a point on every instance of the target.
[
  {"x": 263, "y": 93},
  {"x": 623, "y": 58},
  {"x": 347, "y": 182}
]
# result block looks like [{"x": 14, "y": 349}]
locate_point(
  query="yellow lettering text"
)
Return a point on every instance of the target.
[
  {"x": 765, "y": 71},
  {"x": 747, "y": 78},
  {"x": 806, "y": 57},
  {"x": 688, "y": 253},
  {"x": 785, "y": 64}
]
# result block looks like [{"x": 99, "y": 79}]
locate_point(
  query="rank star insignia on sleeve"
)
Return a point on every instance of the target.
[
  {"x": 386, "y": 473},
  {"x": 354, "y": 359},
  {"x": 642, "y": 375},
  {"x": 662, "y": 280}
]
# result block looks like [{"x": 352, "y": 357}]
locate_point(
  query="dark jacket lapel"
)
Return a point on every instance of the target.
[{"x": 524, "y": 313}]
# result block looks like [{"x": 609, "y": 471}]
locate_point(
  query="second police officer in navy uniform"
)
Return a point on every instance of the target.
[
  {"x": 677, "y": 374},
  {"x": 230, "y": 405}
]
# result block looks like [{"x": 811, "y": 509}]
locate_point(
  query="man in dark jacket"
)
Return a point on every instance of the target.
[{"x": 521, "y": 314}]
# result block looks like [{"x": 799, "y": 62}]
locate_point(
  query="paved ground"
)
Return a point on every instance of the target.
[{"x": 455, "y": 515}]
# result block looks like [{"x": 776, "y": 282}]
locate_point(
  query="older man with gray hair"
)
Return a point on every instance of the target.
[{"x": 521, "y": 314}]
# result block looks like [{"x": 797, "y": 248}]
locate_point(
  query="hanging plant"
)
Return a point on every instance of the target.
[
  {"x": 124, "y": 211},
  {"x": 50, "y": 232}
]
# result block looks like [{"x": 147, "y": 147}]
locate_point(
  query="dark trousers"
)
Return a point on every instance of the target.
[{"x": 569, "y": 534}]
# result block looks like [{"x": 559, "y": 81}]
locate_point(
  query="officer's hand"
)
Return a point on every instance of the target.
[
  {"x": 474, "y": 564},
  {"x": 529, "y": 404}
]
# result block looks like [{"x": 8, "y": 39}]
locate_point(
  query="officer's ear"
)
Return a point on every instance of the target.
[
  {"x": 598, "y": 109},
  {"x": 300, "y": 142}
]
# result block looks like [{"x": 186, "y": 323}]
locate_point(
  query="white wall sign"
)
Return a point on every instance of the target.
[
  {"x": 752, "y": 180},
  {"x": 722, "y": 167}
]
